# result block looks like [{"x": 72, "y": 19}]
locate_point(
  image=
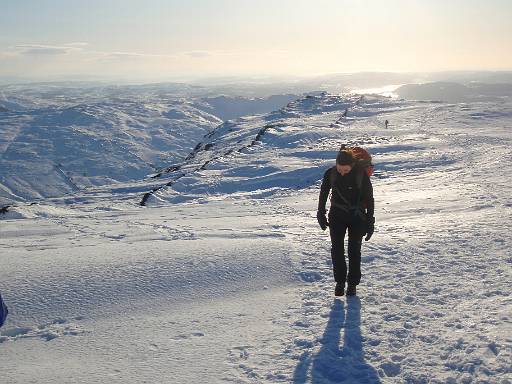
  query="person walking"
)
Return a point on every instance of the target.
[{"x": 351, "y": 210}]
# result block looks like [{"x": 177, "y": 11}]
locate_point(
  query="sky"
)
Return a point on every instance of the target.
[{"x": 170, "y": 39}]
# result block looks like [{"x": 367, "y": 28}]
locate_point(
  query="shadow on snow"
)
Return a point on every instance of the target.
[{"x": 337, "y": 363}]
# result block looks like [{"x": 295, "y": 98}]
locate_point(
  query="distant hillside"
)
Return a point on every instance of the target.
[
  {"x": 59, "y": 138},
  {"x": 227, "y": 108},
  {"x": 57, "y": 149},
  {"x": 455, "y": 92}
]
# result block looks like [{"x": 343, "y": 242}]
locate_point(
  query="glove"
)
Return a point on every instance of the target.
[
  {"x": 370, "y": 228},
  {"x": 322, "y": 220}
]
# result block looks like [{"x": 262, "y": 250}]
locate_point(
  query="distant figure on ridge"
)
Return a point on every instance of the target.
[
  {"x": 352, "y": 209},
  {"x": 386, "y": 123}
]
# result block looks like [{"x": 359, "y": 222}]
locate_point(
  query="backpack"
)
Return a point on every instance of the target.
[
  {"x": 363, "y": 163},
  {"x": 362, "y": 156},
  {"x": 3, "y": 311}
]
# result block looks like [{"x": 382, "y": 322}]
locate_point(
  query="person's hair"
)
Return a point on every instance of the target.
[{"x": 345, "y": 158}]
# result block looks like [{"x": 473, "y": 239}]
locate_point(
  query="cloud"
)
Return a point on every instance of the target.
[
  {"x": 77, "y": 44},
  {"x": 138, "y": 55},
  {"x": 198, "y": 54},
  {"x": 45, "y": 50},
  {"x": 128, "y": 55},
  {"x": 133, "y": 55},
  {"x": 231, "y": 53}
]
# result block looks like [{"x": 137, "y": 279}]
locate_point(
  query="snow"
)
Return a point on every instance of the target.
[
  {"x": 58, "y": 139},
  {"x": 59, "y": 149},
  {"x": 224, "y": 275}
]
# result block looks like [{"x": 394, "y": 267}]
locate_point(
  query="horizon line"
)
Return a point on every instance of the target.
[{"x": 83, "y": 78}]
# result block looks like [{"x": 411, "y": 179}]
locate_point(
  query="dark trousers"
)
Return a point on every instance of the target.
[{"x": 339, "y": 223}]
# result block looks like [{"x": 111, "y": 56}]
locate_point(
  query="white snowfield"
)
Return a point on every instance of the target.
[
  {"x": 63, "y": 147},
  {"x": 57, "y": 139},
  {"x": 225, "y": 276}
]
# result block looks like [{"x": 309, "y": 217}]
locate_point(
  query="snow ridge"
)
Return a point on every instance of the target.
[{"x": 251, "y": 138}]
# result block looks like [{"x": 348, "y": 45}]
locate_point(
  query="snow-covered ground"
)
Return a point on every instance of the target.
[{"x": 224, "y": 275}]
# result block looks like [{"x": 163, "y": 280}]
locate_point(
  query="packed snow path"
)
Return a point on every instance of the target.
[{"x": 232, "y": 282}]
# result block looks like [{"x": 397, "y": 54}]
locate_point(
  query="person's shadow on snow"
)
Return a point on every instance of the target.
[{"x": 334, "y": 362}]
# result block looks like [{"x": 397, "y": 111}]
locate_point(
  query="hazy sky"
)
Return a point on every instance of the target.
[{"x": 163, "y": 39}]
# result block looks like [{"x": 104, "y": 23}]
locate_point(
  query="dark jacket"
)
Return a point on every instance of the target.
[{"x": 346, "y": 194}]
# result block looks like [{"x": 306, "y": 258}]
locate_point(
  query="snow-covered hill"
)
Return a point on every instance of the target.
[
  {"x": 232, "y": 107},
  {"x": 224, "y": 275},
  {"x": 56, "y": 139},
  {"x": 51, "y": 151},
  {"x": 287, "y": 149}
]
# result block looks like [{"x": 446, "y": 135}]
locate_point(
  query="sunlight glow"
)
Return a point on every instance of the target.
[{"x": 166, "y": 39}]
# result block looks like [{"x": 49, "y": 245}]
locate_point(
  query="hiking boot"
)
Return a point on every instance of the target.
[
  {"x": 339, "y": 290},
  {"x": 351, "y": 290}
]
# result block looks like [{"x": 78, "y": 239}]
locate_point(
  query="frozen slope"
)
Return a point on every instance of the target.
[
  {"x": 56, "y": 139},
  {"x": 225, "y": 276},
  {"x": 59, "y": 149}
]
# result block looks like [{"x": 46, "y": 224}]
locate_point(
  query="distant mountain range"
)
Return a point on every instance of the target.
[
  {"x": 55, "y": 139},
  {"x": 455, "y": 92}
]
